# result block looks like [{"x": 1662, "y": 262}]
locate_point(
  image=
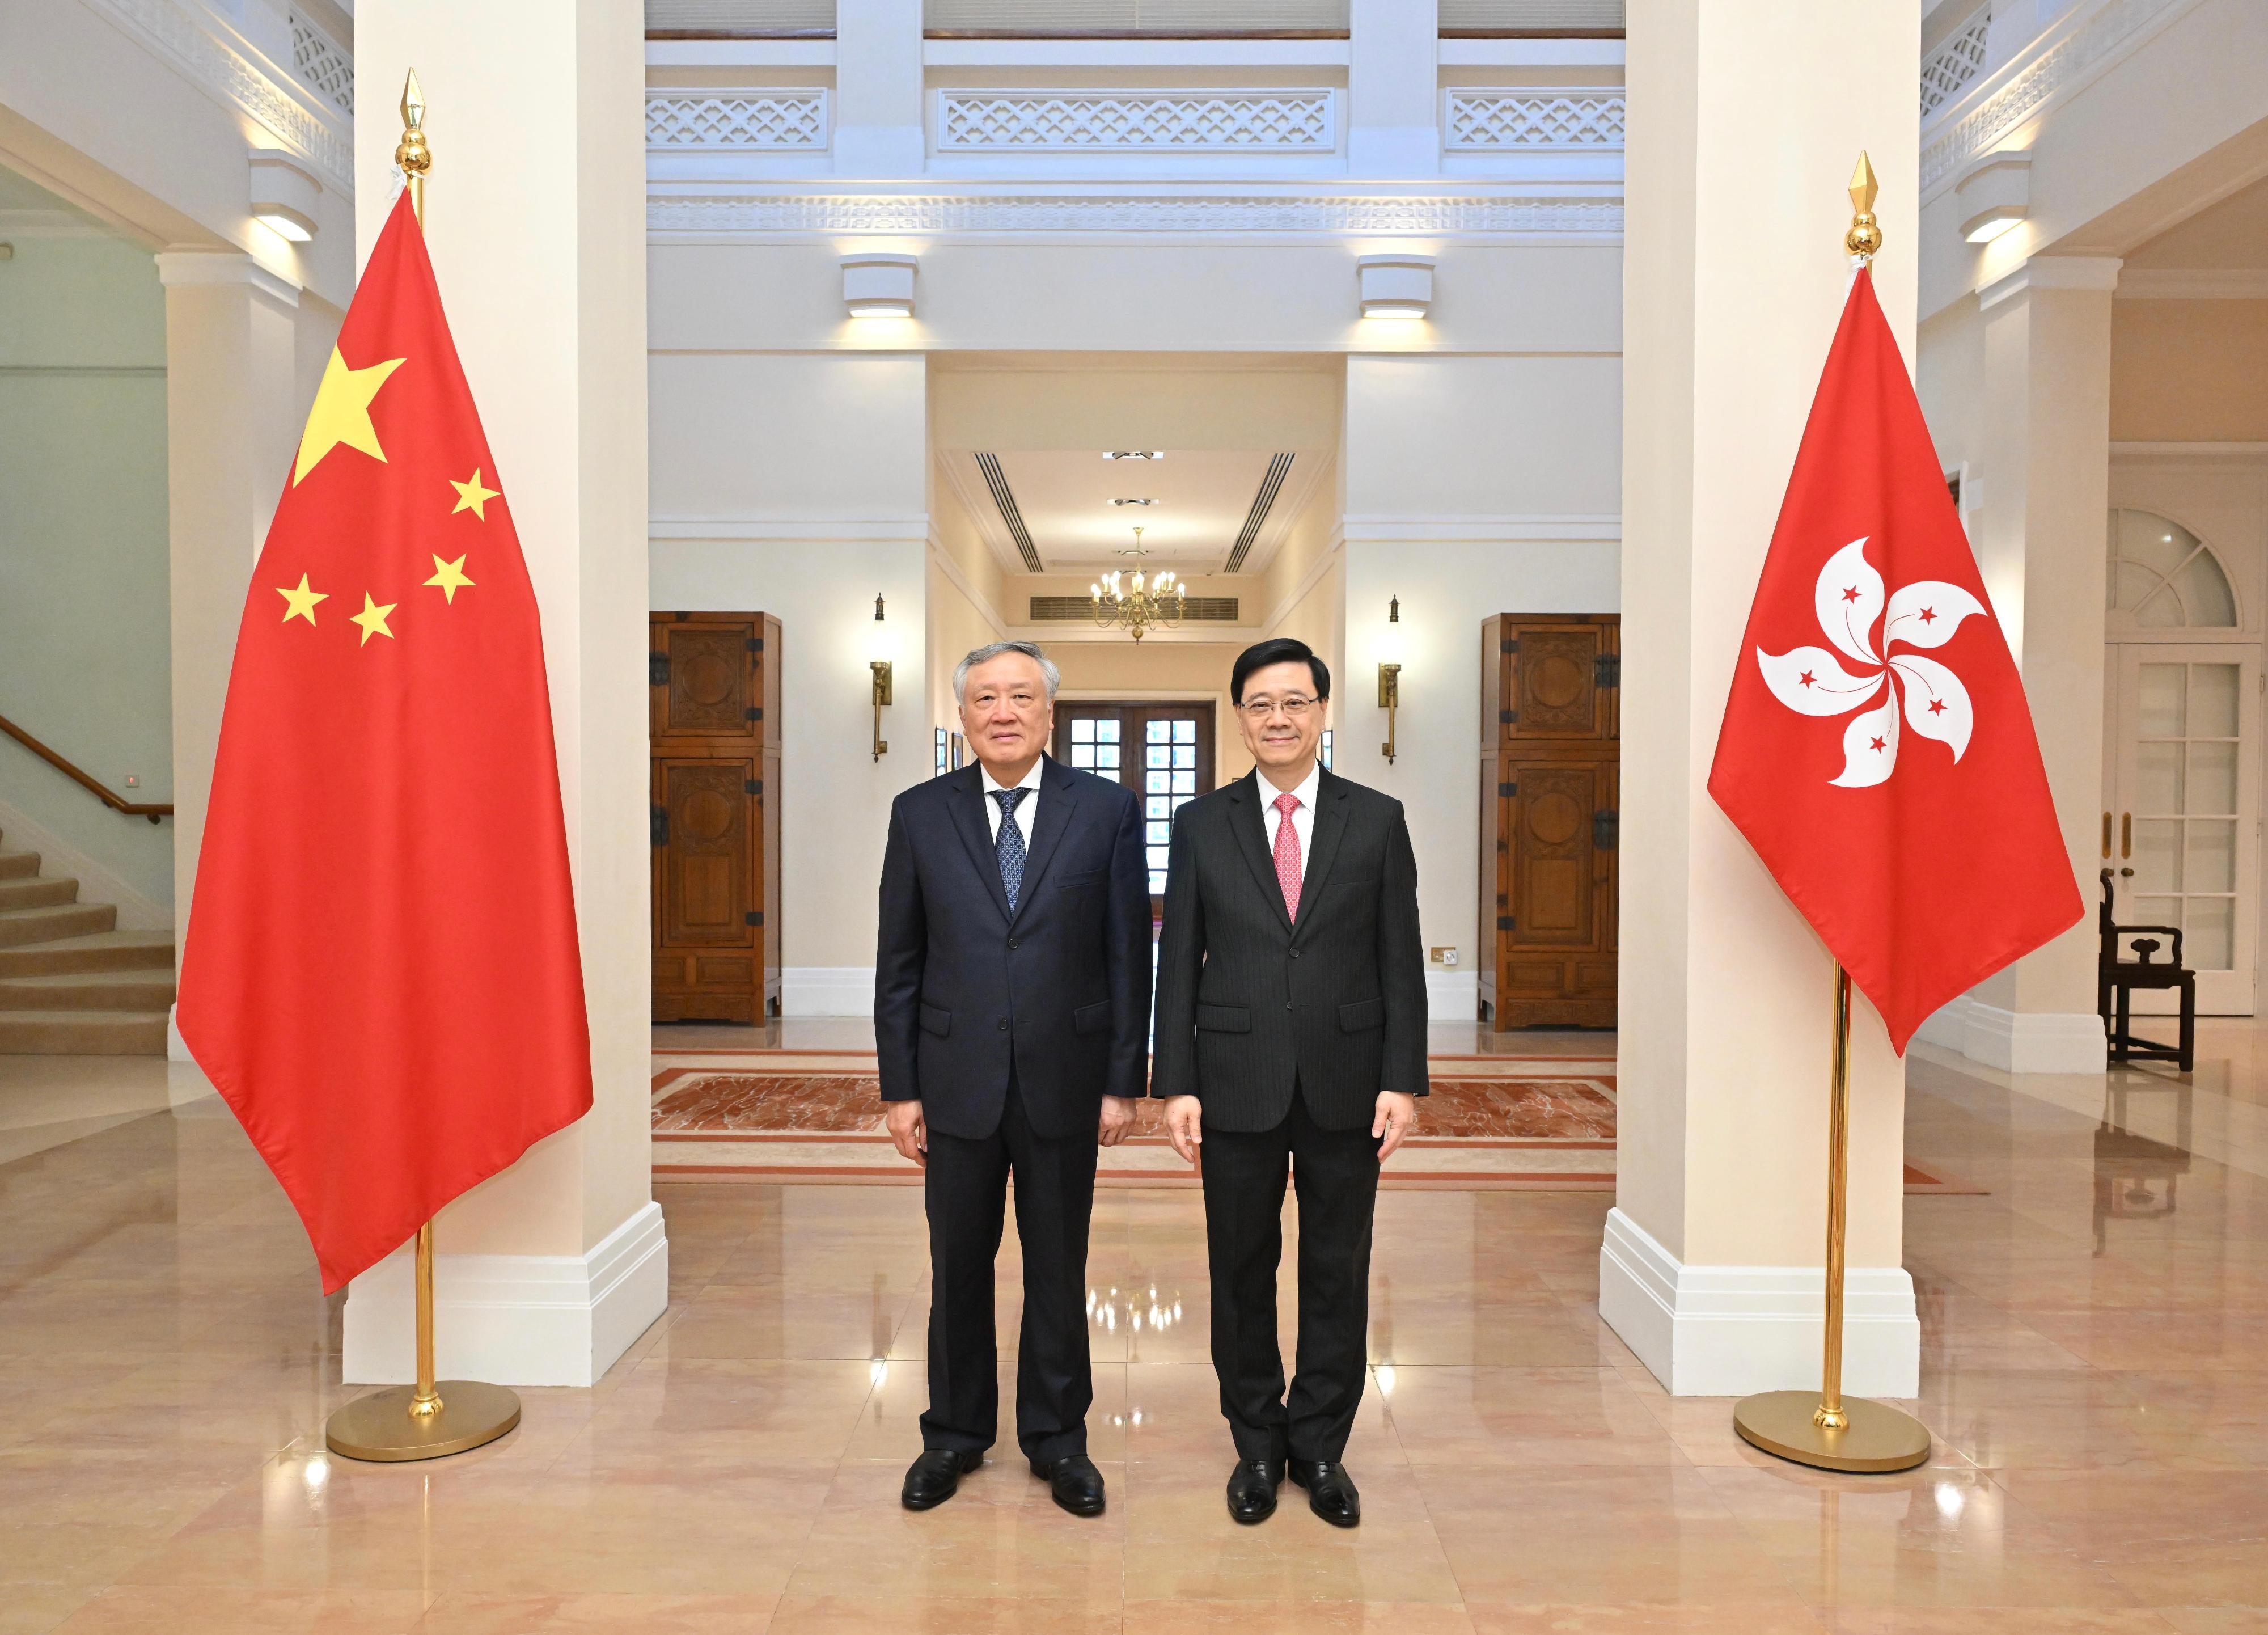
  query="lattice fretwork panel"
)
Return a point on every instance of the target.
[
  {"x": 1267, "y": 121},
  {"x": 323, "y": 63},
  {"x": 1495, "y": 121},
  {"x": 766, "y": 119}
]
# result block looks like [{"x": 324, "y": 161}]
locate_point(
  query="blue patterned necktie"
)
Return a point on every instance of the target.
[{"x": 1010, "y": 844}]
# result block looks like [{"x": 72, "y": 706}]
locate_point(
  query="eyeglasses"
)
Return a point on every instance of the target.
[{"x": 1260, "y": 709}]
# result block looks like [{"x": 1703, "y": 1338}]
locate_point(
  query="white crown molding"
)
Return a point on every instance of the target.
[
  {"x": 239, "y": 77},
  {"x": 2067, "y": 56},
  {"x": 907, "y": 526},
  {"x": 1505, "y": 528},
  {"x": 2187, "y": 283},
  {"x": 190, "y": 268},
  {"x": 2211, "y": 456},
  {"x": 1600, "y": 218},
  {"x": 49, "y": 224},
  {"x": 953, "y": 575},
  {"x": 2098, "y": 273}
]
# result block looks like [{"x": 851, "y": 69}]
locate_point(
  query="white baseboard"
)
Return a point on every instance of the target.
[
  {"x": 513, "y": 1319},
  {"x": 2019, "y": 1042},
  {"x": 1451, "y": 997},
  {"x": 826, "y": 990},
  {"x": 136, "y": 911},
  {"x": 1730, "y": 1330}
]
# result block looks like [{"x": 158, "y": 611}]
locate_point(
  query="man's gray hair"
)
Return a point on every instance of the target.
[{"x": 986, "y": 655}]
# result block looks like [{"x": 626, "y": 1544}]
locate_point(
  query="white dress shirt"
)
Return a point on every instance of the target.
[
  {"x": 1303, "y": 815},
  {"x": 1024, "y": 808}
]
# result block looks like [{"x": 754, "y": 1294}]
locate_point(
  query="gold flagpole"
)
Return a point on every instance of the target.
[
  {"x": 420, "y": 1421},
  {"x": 1823, "y": 1430}
]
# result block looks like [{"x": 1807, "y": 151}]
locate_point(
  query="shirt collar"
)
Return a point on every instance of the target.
[
  {"x": 1031, "y": 779},
  {"x": 1305, "y": 793}
]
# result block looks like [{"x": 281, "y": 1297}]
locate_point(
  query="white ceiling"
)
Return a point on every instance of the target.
[
  {"x": 1202, "y": 497},
  {"x": 2229, "y": 236}
]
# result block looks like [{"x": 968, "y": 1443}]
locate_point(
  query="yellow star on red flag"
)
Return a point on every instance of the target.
[
  {"x": 341, "y": 413},
  {"x": 300, "y": 604},
  {"x": 372, "y": 618},
  {"x": 472, "y": 496},
  {"x": 450, "y": 577}
]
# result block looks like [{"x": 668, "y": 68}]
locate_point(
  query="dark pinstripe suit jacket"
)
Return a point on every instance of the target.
[{"x": 1249, "y": 1003}]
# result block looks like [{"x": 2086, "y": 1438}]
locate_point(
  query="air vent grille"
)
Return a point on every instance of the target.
[
  {"x": 1198, "y": 610},
  {"x": 1270, "y": 484},
  {"x": 997, "y": 480}
]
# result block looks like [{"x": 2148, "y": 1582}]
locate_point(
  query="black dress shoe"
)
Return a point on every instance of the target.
[
  {"x": 931, "y": 1478},
  {"x": 1077, "y": 1483},
  {"x": 1330, "y": 1490},
  {"x": 1252, "y": 1490}
]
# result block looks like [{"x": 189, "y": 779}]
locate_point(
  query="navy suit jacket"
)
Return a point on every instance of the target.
[{"x": 1061, "y": 986}]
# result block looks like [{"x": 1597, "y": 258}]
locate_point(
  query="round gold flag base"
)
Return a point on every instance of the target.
[
  {"x": 380, "y": 1425},
  {"x": 1876, "y": 1439}
]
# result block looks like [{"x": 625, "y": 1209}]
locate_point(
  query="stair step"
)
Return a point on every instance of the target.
[
  {"x": 20, "y": 925},
  {"x": 17, "y": 864},
  {"x": 89, "y": 990},
  {"x": 37, "y": 891},
  {"x": 82, "y": 1033},
  {"x": 94, "y": 951}
]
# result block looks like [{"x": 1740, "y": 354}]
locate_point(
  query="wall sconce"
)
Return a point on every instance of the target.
[
  {"x": 1395, "y": 286},
  {"x": 881, "y": 669},
  {"x": 1389, "y": 674},
  {"x": 284, "y": 195},
  {"x": 879, "y": 285},
  {"x": 1994, "y": 195}
]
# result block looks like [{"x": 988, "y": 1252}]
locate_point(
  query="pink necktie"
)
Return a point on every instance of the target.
[{"x": 1287, "y": 854}]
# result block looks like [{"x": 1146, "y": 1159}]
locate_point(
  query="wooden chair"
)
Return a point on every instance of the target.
[{"x": 2117, "y": 977}]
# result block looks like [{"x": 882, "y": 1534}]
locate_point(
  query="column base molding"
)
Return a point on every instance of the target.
[
  {"x": 826, "y": 990},
  {"x": 512, "y": 1319},
  {"x": 2019, "y": 1042},
  {"x": 1451, "y": 997},
  {"x": 1731, "y": 1330}
]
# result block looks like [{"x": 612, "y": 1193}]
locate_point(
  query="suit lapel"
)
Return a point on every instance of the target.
[
  {"x": 967, "y": 807},
  {"x": 1059, "y": 804},
  {"x": 1245, "y": 818},
  {"x": 1329, "y": 827}
]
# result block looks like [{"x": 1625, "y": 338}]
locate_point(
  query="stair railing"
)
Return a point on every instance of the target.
[{"x": 153, "y": 811}]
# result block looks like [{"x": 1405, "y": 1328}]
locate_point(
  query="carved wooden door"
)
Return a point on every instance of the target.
[
  {"x": 714, "y": 681},
  {"x": 1550, "y": 818}
]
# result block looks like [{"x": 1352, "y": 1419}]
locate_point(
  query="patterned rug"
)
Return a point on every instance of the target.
[{"x": 1531, "y": 1122}]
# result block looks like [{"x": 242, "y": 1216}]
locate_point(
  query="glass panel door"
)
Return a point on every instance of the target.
[
  {"x": 1164, "y": 753},
  {"x": 2184, "y": 809}
]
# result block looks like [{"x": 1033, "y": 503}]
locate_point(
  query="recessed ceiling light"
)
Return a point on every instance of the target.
[
  {"x": 1133, "y": 502},
  {"x": 1135, "y": 453}
]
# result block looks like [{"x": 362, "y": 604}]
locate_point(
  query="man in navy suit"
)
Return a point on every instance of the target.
[{"x": 1012, "y": 1014}]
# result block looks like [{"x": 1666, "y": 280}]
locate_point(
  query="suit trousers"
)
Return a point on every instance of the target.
[
  {"x": 965, "y": 1190},
  {"x": 1335, "y": 1174}
]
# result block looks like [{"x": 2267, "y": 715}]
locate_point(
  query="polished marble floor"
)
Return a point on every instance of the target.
[{"x": 2096, "y": 1368}]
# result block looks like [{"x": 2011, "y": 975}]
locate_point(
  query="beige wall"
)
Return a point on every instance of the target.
[
  {"x": 1179, "y": 670},
  {"x": 2189, "y": 371}
]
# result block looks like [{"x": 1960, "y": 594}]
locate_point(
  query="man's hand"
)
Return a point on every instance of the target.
[
  {"x": 909, "y": 1132},
  {"x": 1185, "y": 1125},
  {"x": 1117, "y": 1119},
  {"x": 1397, "y": 1114}
]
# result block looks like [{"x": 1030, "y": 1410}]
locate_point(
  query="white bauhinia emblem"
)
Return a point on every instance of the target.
[{"x": 1934, "y": 703}]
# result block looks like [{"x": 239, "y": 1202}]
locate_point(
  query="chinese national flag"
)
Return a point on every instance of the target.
[
  {"x": 1877, "y": 751},
  {"x": 381, "y": 973}
]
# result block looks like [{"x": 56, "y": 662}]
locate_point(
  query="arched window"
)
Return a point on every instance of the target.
[{"x": 2164, "y": 577}]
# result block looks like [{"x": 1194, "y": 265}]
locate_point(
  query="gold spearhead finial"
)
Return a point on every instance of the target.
[
  {"x": 1866, "y": 235},
  {"x": 413, "y": 103},
  {"x": 410, "y": 154}
]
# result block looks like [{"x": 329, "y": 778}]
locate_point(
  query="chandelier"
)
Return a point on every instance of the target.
[{"x": 1145, "y": 603}]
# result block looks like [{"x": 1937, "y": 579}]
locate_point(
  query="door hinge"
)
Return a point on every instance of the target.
[
  {"x": 1607, "y": 670},
  {"x": 755, "y": 644},
  {"x": 756, "y": 712},
  {"x": 660, "y": 825},
  {"x": 656, "y": 669},
  {"x": 755, "y": 917},
  {"x": 1507, "y": 791},
  {"x": 1504, "y": 922},
  {"x": 1508, "y": 717},
  {"x": 1606, "y": 830},
  {"x": 1512, "y": 644},
  {"x": 754, "y": 786}
]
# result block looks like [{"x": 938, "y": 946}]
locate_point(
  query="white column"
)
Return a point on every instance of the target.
[
  {"x": 1393, "y": 95},
  {"x": 535, "y": 216},
  {"x": 1745, "y": 122},
  {"x": 232, "y": 420},
  {"x": 2044, "y": 478},
  {"x": 878, "y": 88}
]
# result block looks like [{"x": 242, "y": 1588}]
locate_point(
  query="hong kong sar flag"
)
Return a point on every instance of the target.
[{"x": 1877, "y": 751}]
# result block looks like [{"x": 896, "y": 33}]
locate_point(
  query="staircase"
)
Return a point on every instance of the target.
[{"x": 71, "y": 983}]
